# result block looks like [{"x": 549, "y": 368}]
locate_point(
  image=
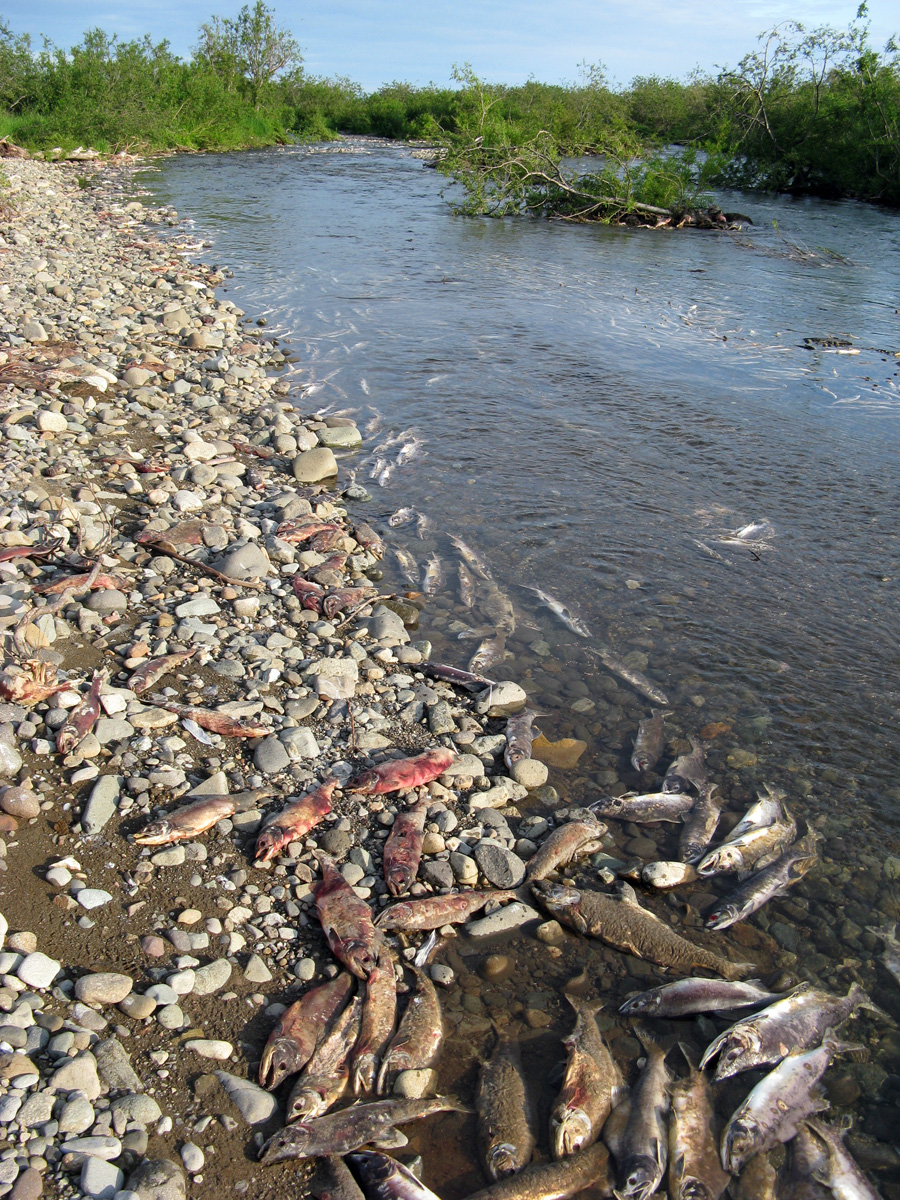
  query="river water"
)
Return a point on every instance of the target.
[{"x": 597, "y": 408}]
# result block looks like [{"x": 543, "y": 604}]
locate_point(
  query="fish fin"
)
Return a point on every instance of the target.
[
  {"x": 887, "y": 932},
  {"x": 689, "y": 1056},
  {"x": 390, "y": 1139},
  {"x": 651, "y": 1042},
  {"x": 628, "y": 895},
  {"x": 862, "y": 999}
]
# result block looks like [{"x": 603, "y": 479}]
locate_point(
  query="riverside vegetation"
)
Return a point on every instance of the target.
[{"x": 810, "y": 111}]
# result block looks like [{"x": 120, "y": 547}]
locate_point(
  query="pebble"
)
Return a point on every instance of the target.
[
  {"x": 103, "y": 988},
  {"x": 20, "y": 802},
  {"x": 192, "y": 1157},
  {"x": 212, "y": 977},
  {"x": 500, "y": 867},
  {"x": 37, "y": 970},
  {"x": 91, "y": 898},
  {"x": 28, "y": 1186},
  {"x": 157, "y": 1179},
  {"x": 510, "y": 916},
  {"x": 100, "y": 1179},
  {"x": 413, "y": 1085},
  {"x": 254, "y": 1104},
  {"x": 530, "y": 773},
  {"x": 210, "y": 1048},
  {"x": 256, "y": 970}
]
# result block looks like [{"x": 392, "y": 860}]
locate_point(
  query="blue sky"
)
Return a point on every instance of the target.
[{"x": 376, "y": 41}]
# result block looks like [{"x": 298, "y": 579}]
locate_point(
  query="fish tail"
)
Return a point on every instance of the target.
[{"x": 733, "y": 971}]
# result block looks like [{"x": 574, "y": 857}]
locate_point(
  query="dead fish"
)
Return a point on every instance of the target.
[
  {"x": 839, "y": 1171},
  {"x": 774, "y": 1110},
  {"x": 757, "y": 1181},
  {"x": 196, "y": 732},
  {"x": 685, "y": 997},
  {"x": 649, "y": 742},
  {"x": 490, "y": 651},
  {"x": 645, "y": 1143},
  {"x": 625, "y": 925},
  {"x": 34, "y": 684},
  {"x": 417, "y": 1042},
  {"x": 402, "y": 516},
  {"x": 346, "y": 920},
  {"x": 81, "y": 720},
  {"x": 324, "y": 1079},
  {"x": 615, "y": 664},
  {"x": 519, "y": 736},
  {"x": 805, "y": 1154},
  {"x": 793, "y": 1022},
  {"x": 294, "y": 821},
  {"x": 401, "y": 774},
  {"x": 191, "y": 820},
  {"x": 384, "y": 475},
  {"x": 655, "y": 806},
  {"x": 592, "y": 1086},
  {"x": 557, "y": 1180},
  {"x": 466, "y": 584},
  {"x": 471, "y": 559},
  {"x": 424, "y": 525},
  {"x": 432, "y": 576},
  {"x": 765, "y": 811},
  {"x": 664, "y": 875},
  {"x": 215, "y": 722},
  {"x": 695, "y": 1172},
  {"x": 386, "y": 1179},
  {"x": 334, "y": 1180},
  {"x": 300, "y": 1028},
  {"x": 506, "y": 1120},
  {"x": 581, "y": 836},
  {"x": 467, "y": 679},
  {"x": 85, "y": 581},
  {"x": 343, "y": 599},
  {"x": 408, "y": 566},
  {"x": 891, "y": 955},
  {"x": 403, "y": 849},
  {"x": 700, "y": 825},
  {"x": 366, "y": 537},
  {"x": 409, "y": 450},
  {"x": 570, "y": 619},
  {"x": 378, "y": 1019},
  {"x": 360, "y": 1125},
  {"x": 691, "y": 767},
  {"x": 756, "y": 846},
  {"x": 760, "y": 887},
  {"x": 311, "y": 595},
  {"x": 431, "y": 912},
  {"x": 499, "y": 610}
]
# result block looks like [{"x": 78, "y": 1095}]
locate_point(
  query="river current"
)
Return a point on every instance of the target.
[{"x": 599, "y": 409}]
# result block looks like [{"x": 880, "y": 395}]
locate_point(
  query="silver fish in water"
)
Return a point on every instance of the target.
[
  {"x": 685, "y": 997},
  {"x": 408, "y": 566},
  {"x": 655, "y": 806},
  {"x": 615, "y": 664},
  {"x": 649, "y": 742},
  {"x": 474, "y": 561},
  {"x": 700, "y": 825},
  {"x": 490, "y": 651},
  {"x": 401, "y": 517},
  {"x": 695, "y": 1172},
  {"x": 838, "y": 1170},
  {"x": 760, "y": 887},
  {"x": 466, "y": 584},
  {"x": 519, "y": 736},
  {"x": 570, "y": 619},
  {"x": 691, "y": 767},
  {"x": 756, "y": 847},
  {"x": 432, "y": 576},
  {"x": 644, "y": 1151}
]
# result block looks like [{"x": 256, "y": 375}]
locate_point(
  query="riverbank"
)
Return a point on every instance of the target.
[{"x": 145, "y": 424}]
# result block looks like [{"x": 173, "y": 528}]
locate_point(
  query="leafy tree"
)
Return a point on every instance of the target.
[{"x": 250, "y": 47}]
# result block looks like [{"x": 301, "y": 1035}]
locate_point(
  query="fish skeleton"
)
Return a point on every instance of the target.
[
  {"x": 615, "y": 664},
  {"x": 592, "y": 1086},
  {"x": 760, "y": 887},
  {"x": 570, "y": 619},
  {"x": 582, "y": 836},
  {"x": 505, "y": 1112},
  {"x": 649, "y": 742},
  {"x": 685, "y": 997},
  {"x": 624, "y": 924}
]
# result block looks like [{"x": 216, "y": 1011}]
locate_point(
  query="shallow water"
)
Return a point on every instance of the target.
[{"x": 593, "y": 403}]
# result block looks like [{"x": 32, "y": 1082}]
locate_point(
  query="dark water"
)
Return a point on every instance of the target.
[{"x": 594, "y": 402}]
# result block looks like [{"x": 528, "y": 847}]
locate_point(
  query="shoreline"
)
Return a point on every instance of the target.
[{"x": 138, "y": 403}]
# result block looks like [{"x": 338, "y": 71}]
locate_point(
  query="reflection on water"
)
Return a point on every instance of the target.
[{"x": 598, "y": 408}]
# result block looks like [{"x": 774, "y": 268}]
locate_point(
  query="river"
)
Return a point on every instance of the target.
[{"x": 599, "y": 408}]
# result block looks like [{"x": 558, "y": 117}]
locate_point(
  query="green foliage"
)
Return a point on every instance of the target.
[{"x": 249, "y": 50}]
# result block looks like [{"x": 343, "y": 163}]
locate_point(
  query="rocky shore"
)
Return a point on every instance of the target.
[{"x": 152, "y": 461}]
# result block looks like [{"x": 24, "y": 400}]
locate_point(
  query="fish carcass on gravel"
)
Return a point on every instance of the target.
[
  {"x": 82, "y": 719},
  {"x": 403, "y": 848},
  {"x": 555, "y": 1181},
  {"x": 762, "y": 885},
  {"x": 417, "y": 1042},
  {"x": 519, "y": 736},
  {"x": 643, "y": 1154},
  {"x": 346, "y": 920},
  {"x": 773, "y": 1111},
  {"x": 695, "y": 1172},
  {"x": 506, "y": 1118},
  {"x": 431, "y": 912},
  {"x": 195, "y": 818},
  {"x": 350, "y": 1128},
  {"x": 654, "y": 806},
  {"x": 592, "y": 1085},
  {"x": 294, "y": 821},
  {"x": 700, "y": 825},
  {"x": 685, "y": 997},
  {"x": 567, "y": 841},
  {"x": 401, "y": 774},
  {"x": 649, "y": 742},
  {"x": 324, "y": 1079},
  {"x": 383, "y": 1178},
  {"x": 794, "y": 1022},
  {"x": 624, "y": 924},
  {"x": 378, "y": 1020},
  {"x": 154, "y": 669},
  {"x": 300, "y": 1028}
]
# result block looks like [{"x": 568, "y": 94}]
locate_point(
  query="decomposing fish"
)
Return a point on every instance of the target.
[
  {"x": 424, "y": 525},
  {"x": 81, "y": 720},
  {"x": 664, "y": 875},
  {"x": 592, "y": 1086},
  {"x": 755, "y": 846},
  {"x": 35, "y": 683},
  {"x": 837, "y": 1169},
  {"x": 644, "y": 1152},
  {"x": 209, "y": 718},
  {"x": 386, "y": 1179},
  {"x": 766, "y": 810},
  {"x": 183, "y": 533},
  {"x": 621, "y": 922},
  {"x": 758, "y": 1181},
  {"x": 649, "y": 742},
  {"x": 891, "y": 955},
  {"x": 47, "y": 550},
  {"x": 324, "y": 1079},
  {"x": 401, "y": 517},
  {"x": 431, "y": 912},
  {"x": 581, "y": 836},
  {"x": 88, "y": 580},
  {"x": 350, "y": 1128},
  {"x": 557, "y": 1180},
  {"x": 334, "y": 1180},
  {"x": 378, "y": 1019},
  {"x": 300, "y": 1028},
  {"x": 615, "y": 664},
  {"x": 408, "y": 566},
  {"x": 695, "y": 1172},
  {"x": 466, "y": 584},
  {"x": 773, "y": 1111},
  {"x": 762, "y": 885},
  {"x": 401, "y": 774},
  {"x": 294, "y": 821},
  {"x": 311, "y": 595},
  {"x": 570, "y": 619},
  {"x": 343, "y": 599},
  {"x": 346, "y": 920},
  {"x": 195, "y": 818},
  {"x": 403, "y": 848},
  {"x": 700, "y": 825},
  {"x": 490, "y": 651},
  {"x": 655, "y": 806},
  {"x": 385, "y": 474},
  {"x": 304, "y": 529},
  {"x": 472, "y": 560},
  {"x": 506, "y": 1119},
  {"x": 691, "y": 766},
  {"x": 467, "y": 679},
  {"x": 793, "y": 1022},
  {"x": 366, "y": 537},
  {"x": 805, "y": 1154},
  {"x": 685, "y": 997},
  {"x": 519, "y": 736},
  {"x": 432, "y": 576},
  {"x": 499, "y": 610},
  {"x": 417, "y": 1042}
]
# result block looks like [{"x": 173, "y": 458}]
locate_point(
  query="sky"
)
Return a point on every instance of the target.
[{"x": 377, "y": 41}]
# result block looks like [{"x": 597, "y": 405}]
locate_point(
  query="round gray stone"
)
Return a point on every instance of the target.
[{"x": 499, "y": 866}]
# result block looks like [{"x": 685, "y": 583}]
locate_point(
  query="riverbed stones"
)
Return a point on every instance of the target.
[
  {"x": 157, "y": 1179},
  {"x": 500, "y": 867},
  {"x": 38, "y": 970},
  {"x": 312, "y": 466},
  {"x": 101, "y": 804},
  {"x": 255, "y": 1105},
  {"x": 103, "y": 988}
]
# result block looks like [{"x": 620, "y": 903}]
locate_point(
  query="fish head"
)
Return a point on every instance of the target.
[
  {"x": 742, "y": 1139},
  {"x": 364, "y": 782},
  {"x": 361, "y": 959},
  {"x": 571, "y": 1133},
  {"x": 280, "y": 1058},
  {"x": 397, "y": 880},
  {"x": 641, "y": 1177},
  {"x": 695, "y": 1189},
  {"x": 644, "y": 1005},
  {"x": 267, "y": 844},
  {"x": 723, "y": 916},
  {"x": 307, "y": 1104},
  {"x": 739, "y": 1046},
  {"x": 503, "y": 1160},
  {"x": 676, "y": 783},
  {"x": 290, "y": 1142},
  {"x": 157, "y": 833},
  {"x": 556, "y": 896}
]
